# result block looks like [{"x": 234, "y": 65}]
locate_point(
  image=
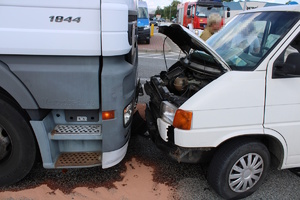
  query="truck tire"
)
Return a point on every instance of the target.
[
  {"x": 238, "y": 168},
  {"x": 17, "y": 145}
]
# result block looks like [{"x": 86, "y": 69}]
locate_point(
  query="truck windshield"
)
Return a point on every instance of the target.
[
  {"x": 143, "y": 13},
  {"x": 206, "y": 11},
  {"x": 248, "y": 38}
]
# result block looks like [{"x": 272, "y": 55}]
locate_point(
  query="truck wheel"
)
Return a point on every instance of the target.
[
  {"x": 238, "y": 168},
  {"x": 17, "y": 145}
]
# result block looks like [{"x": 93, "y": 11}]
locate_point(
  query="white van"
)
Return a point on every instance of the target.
[{"x": 234, "y": 101}]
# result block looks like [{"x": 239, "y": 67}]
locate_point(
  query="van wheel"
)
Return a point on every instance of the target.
[
  {"x": 238, "y": 168},
  {"x": 17, "y": 145},
  {"x": 147, "y": 41}
]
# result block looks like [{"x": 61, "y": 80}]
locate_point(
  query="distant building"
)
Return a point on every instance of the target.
[{"x": 237, "y": 7}]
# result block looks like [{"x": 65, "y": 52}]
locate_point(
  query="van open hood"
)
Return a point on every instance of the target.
[{"x": 187, "y": 40}]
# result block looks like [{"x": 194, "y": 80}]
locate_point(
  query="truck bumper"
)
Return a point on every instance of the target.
[
  {"x": 163, "y": 137},
  {"x": 112, "y": 158}
]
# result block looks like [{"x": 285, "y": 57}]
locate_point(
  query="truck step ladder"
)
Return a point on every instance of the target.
[
  {"x": 78, "y": 159},
  {"x": 76, "y": 132},
  {"x": 69, "y": 144}
]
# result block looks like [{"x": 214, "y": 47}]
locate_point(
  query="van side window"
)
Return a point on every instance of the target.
[{"x": 287, "y": 64}]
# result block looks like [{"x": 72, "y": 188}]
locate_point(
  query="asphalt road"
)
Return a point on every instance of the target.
[{"x": 188, "y": 180}]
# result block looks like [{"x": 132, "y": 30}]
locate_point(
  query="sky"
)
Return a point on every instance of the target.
[{"x": 152, "y": 4}]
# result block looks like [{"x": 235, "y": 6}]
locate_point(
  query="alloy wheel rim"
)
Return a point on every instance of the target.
[{"x": 246, "y": 172}]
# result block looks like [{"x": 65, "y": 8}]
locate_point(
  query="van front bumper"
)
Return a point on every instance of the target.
[{"x": 163, "y": 137}]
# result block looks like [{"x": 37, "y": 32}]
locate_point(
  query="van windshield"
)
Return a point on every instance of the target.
[
  {"x": 248, "y": 38},
  {"x": 143, "y": 13}
]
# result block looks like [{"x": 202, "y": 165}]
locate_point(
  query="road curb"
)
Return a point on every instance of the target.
[{"x": 153, "y": 51}]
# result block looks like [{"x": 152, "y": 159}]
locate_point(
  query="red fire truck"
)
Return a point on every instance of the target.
[{"x": 193, "y": 15}]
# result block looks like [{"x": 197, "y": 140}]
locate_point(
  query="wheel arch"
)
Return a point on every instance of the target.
[
  {"x": 274, "y": 142},
  {"x": 13, "y": 88}
]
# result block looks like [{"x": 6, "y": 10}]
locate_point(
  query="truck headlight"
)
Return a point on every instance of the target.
[
  {"x": 167, "y": 111},
  {"x": 128, "y": 111},
  {"x": 146, "y": 27}
]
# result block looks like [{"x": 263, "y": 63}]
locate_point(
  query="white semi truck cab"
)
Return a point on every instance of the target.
[{"x": 68, "y": 79}]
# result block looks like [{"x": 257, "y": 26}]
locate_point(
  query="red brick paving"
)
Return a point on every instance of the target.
[{"x": 156, "y": 44}]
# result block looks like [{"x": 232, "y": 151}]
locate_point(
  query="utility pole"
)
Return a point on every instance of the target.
[{"x": 245, "y": 5}]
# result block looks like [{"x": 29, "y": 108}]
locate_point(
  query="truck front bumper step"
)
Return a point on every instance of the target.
[
  {"x": 68, "y": 160},
  {"x": 76, "y": 132}
]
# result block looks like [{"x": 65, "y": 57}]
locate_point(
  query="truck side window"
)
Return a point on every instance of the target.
[
  {"x": 188, "y": 12},
  {"x": 287, "y": 64}
]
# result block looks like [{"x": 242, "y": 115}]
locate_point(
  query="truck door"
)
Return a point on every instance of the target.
[{"x": 282, "y": 111}]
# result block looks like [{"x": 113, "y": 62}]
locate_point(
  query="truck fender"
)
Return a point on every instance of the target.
[{"x": 11, "y": 84}]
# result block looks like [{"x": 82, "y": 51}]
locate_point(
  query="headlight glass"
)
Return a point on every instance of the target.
[
  {"x": 167, "y": 111},
  {"x": 128, "y": 111},
  {"x": 183, "y": 119},
  {"x": 146, "y": 27}
]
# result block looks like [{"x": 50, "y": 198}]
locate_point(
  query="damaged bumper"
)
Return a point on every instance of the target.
[
  {"x": 181, "y": 154},
  {"x": 163, "y": 133}
]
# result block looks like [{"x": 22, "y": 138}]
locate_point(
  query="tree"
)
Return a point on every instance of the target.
[
  {"x": 159, "y": 11},
  {"x": 168, "y": 12},
  {"x": 174, "y": 9}
]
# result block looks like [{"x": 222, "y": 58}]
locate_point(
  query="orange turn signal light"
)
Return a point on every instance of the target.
[
  {"x": 183, "y": 119},
  {"x": 106, "y": 115}
]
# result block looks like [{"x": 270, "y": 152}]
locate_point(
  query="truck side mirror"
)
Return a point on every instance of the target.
[
  {"x": 188, "y": 12},
  {"x": 228, "y": 12}
]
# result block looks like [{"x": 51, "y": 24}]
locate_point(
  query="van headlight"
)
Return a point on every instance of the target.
[
  {"x": 146, "y": 27},
  {"x": 128, "y": 112},
  {"x": 183, "y": 119},
  {"x": 167, "y": 111}
]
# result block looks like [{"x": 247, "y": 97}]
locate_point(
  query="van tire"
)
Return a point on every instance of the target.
[
  {"x": 147, "y": 41},
  {"x": 17, "y": 145},
  {"x": 233, "y": 155}
]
